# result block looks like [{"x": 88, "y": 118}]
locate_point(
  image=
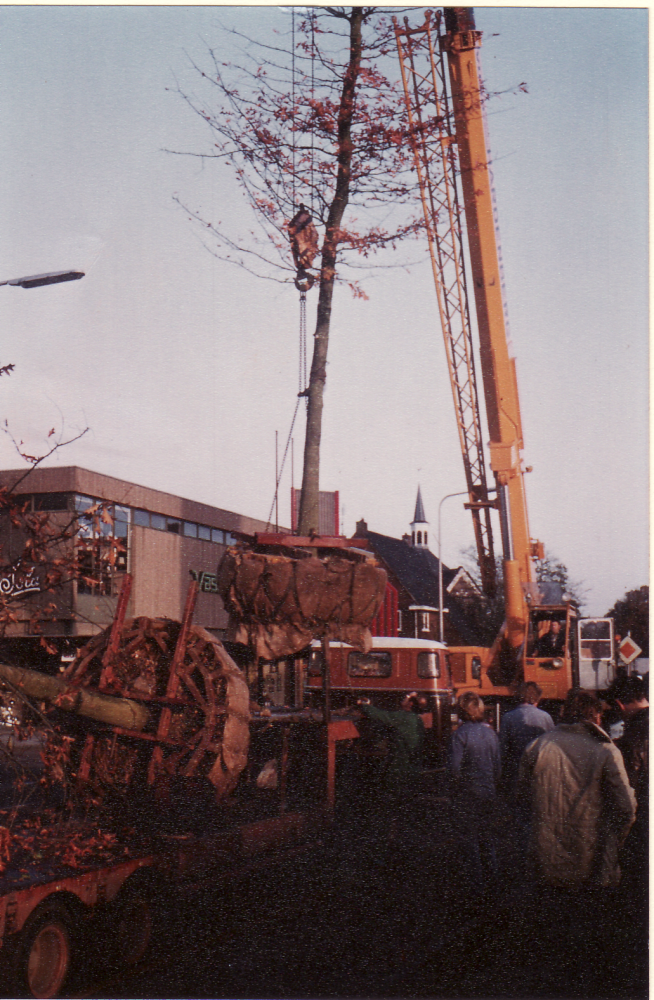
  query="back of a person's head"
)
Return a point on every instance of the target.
[
  {"x": 581, "y": 706},
  {"x": 627, "y": 690},
  {"x": 529, "y": 693},
  {"x": 471, "y": 707}
]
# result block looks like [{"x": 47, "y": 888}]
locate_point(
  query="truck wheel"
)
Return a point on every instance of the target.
[
  {"x": 133, "y": 924},
  {"x": 46, "y": 951}
]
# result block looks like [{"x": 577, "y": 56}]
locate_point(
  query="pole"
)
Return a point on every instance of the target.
[
  {"x": 276, "y": 485},
  {"x": 441, "y": 630}
]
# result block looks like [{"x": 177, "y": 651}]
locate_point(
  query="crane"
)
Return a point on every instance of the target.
[{"x": 445, "y": 109}]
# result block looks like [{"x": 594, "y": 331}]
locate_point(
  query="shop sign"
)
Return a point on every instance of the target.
[
  {"x": 207, "y": 582},
  {"x": 14, "y": 583}
]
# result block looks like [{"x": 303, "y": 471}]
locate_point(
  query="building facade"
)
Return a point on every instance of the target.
[
  {"x": 162, "y": 540},
  {"x": 411, "y": 605}
]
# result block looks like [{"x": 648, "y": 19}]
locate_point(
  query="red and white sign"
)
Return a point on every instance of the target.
[{"x": 628, "y": 649}]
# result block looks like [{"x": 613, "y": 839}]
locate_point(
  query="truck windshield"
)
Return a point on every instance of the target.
[{"x": 369, "y": 665}]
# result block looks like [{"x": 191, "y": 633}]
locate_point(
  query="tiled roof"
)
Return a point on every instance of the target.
[{"x": 417, "y": 570}]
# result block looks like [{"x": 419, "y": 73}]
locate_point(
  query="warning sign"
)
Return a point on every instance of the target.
[{"x": 628, "y": 649}]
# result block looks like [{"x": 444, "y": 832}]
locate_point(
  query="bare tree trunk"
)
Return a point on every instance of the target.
[{"x": 308, "y": 519}]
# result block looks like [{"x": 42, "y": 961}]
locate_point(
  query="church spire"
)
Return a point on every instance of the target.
[
  {"x": 419, "y": 525},
  {"x": 419, "y": 515}
]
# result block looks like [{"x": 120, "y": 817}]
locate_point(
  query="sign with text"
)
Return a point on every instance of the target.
[
  {"x": 16, "y": 582},
  {"x": 207, "y": 582}
]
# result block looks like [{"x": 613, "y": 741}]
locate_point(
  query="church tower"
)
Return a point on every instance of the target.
[{"x": 419, "y": 526}]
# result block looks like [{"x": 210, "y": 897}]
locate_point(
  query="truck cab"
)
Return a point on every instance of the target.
[{"x": 393, "y": 666}]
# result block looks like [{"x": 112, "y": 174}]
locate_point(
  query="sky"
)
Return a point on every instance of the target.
[{"x": 184, "y": 367}]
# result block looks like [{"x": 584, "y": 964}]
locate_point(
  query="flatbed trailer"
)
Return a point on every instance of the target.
[{"x": 51, "y": 912}]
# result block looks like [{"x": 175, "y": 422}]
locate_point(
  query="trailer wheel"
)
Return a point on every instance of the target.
[
  {"x": 133, "y": 924},
  {"x": 46, "y": 951}
]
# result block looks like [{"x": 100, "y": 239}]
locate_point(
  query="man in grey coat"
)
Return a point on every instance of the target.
[
  {"x": 582, "y": 808},
  {"x": 582, "y": 805}
]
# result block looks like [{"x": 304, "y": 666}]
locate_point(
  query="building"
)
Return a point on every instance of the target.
[
  {"x": 411, "y": 604},
  {"x": 161, "y": 539}
]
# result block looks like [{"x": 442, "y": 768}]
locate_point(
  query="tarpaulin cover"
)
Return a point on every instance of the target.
[{"x": 278, "y": 604}]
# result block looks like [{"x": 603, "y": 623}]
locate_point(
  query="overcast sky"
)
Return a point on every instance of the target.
[{"x": 183, "y": 368}]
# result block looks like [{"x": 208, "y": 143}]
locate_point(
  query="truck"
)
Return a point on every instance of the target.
[{"x": 445, "y": 105}]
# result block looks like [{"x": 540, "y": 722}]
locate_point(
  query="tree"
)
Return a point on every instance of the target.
[
  {"x": 320, "y": 126},
  {"x": 631, "y": 615},
  {"x": 43, "y": 551}
]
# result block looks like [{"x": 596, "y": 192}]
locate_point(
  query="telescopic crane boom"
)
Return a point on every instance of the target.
[
  {"x": 436, "y": 136},
  {"x": 543, "y": 642}
]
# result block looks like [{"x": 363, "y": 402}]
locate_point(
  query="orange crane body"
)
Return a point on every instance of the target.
[
  {"x": 498, "y": 367},
  {"x": 523, "y": 649}
]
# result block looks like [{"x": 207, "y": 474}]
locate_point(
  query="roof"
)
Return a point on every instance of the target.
[
  {"x": 417, "y": 571},
  {"x": 388, "y": 642},
  {"x": 419, "y": 516},
  {"x": 73, "y": 479}
]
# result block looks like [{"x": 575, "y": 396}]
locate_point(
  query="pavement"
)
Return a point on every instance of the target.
[{"x": 368, "y": 917}]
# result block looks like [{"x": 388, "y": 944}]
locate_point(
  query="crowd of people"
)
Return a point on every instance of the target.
[{"x": 578, "y": 799}]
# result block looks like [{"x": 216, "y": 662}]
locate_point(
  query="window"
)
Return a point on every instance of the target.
[
  {"x": 425, "y": 537},
  {"x": 475, "y": 668},
  {"x": 230, "y": 539},
  {"x": 399, "y": 621},
  {"x": 190, "y": 529},
  {"x": 424, "y": 619},
  {"x": 102, "y": 544},
  {"x": 173, "y": 525},
  {"x": 369, "y": 665},
  {"x": 204, "y": 533},
  {"x": 51, "y": 501},
  {"x": 595, "y": 639},
  {"x": 142, "y": 518},
  {"x": 158, "y": 522},
  {"x": 218, "y": 536},
  {"x": 429, "y": 664},
  {"x": 315, "y": 663},
  {"x": 420, "y": 538}
]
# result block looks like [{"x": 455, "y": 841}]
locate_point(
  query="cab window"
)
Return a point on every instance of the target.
[
  {"x": 369, "y": 664},
  {"x": 315, "y": 663},
  {"x": 429, "y": 664}
]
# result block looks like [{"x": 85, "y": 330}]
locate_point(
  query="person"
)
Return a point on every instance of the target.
[
  {"x": 581, "y": 801},
  {"x": 582, "y": 808},
  {"x": 405, "y": 728},
  {"x": 517, "y": 730},
  {"x": 629, "y": 695},
  {"x": 475, "y": 770},
  {"x": 552, "y": 643}
]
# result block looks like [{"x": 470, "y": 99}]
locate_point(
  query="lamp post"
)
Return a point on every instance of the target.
[
  {"x": 440, "y": 562},
  {"x": 51, "y": 278}
]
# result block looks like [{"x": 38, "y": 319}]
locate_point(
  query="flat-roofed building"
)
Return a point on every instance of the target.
[{"x": 163, "y": 541}]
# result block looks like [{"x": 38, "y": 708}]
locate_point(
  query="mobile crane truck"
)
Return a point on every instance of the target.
[{"x": 542, "y": 638}]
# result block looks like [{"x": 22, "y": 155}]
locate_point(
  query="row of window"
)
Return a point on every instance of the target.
[
  {"x": 378, "y": 664},
  {"x": 119, "y": 517}
]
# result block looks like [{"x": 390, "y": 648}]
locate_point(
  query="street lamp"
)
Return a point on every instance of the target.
[
  {"x": 440, "y": 561},
  {"x": 51, "y": 278}
]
